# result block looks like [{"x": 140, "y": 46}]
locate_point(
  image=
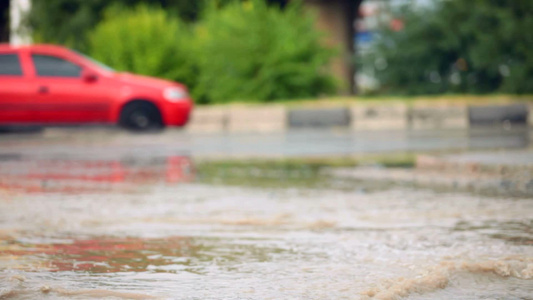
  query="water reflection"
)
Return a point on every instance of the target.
[
  {"x": 499, "y": 138},
  {"x": 103, "y": 254},
  {"x": 129, "y": 174},
  {"x": 70, "y": 176},
  {"x": 519, "y": 232},
  {"x": 295, "y": 235}
]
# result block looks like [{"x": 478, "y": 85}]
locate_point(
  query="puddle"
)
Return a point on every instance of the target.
[
  {"x": 518, "y": 232},
  {"x": 133, "y": 174},
  {"x": 74, "y": 176},
  {"x": 163, "y": 228}
]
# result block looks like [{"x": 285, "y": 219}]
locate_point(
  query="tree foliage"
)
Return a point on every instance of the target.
[
  {"x": 250, "y": 50},
  {"x": 146, "y": 41},
  {"x": 247, "y": 51},
  {"x": 476, "y": 46},
  {"x": 67, "y": 22}
]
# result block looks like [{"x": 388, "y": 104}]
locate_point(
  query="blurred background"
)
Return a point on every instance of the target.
[
  {"x": 339, "y": 149},
  {"x": 294, "y": 49}
]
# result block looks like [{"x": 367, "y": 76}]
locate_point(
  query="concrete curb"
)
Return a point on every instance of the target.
[
  {"x": 432, "y": 117},
  {"x": 209, "y": 119},
  {"x": 313, "y": 118},
  {"x": 494, "y": 115},
  {"x": 360, "y": 117},
  {"x": 379, "y": 117},
  {"x": 257, "y": 119}
]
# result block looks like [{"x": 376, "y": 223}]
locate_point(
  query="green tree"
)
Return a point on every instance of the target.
[
  {"x": 476, "y": 46},
  {"x": 67, "y": 22},
  {"x": 252, "y": 51},
  {"x": 146, "y": 41}
]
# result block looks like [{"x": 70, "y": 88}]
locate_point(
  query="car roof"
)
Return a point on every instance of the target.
[
  {"x": 43, "y": 47},
  {"x": 6, "y": 47}
]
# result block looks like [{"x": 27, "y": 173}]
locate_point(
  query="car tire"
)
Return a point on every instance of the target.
[{"x": 141, "y": 117}]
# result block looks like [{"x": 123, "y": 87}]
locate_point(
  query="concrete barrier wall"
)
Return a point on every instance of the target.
[
  {"x": 260, "y": 119},
  {"x": 313, "y": 118},
  {"x": 254, "y": 119},
  {"x": 361, "y": 116},
  {"x": 379, "y": 117},
  {"x": 496, "y": 115},
  {"x": 209, "y": 119},
  {"x": 431, "y": 117},
  {"x": 530, "y": 117}
]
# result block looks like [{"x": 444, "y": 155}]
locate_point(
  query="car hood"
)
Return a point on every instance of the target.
[{"x": 144, "y": 81}]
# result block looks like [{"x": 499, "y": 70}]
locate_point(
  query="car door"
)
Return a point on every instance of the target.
[
  {"x": 63, "y": 96},
  {"x": 15, "y": 91}
]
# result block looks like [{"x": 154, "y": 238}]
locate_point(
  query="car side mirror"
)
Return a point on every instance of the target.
[{"x": 89, "y": 76}]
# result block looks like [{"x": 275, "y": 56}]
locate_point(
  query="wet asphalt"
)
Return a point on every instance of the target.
[
  {"x": 103, "y": 213},
  {"x": 104, "y": 142}
]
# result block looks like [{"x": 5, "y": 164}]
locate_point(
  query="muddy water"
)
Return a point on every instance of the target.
[{"x": 159, "y": 229}]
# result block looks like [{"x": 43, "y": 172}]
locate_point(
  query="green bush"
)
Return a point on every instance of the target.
[
  {"x": 67, "y": 22},
  {"x": 146, "y": 41},
  {"x": 254, "y": 52},
  {"x": 246, "y": 51}
]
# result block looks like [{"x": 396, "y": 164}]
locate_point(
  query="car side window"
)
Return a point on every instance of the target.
[
  {"x": 10, "y": 65},
  {"x": 52, "y": 66}
]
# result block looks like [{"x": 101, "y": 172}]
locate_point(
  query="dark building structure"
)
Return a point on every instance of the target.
[
  {"x": 336, "y": 18},
  {"x": 4, "y": 21}
]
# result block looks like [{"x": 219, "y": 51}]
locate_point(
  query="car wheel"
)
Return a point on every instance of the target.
[{"x": 141, "y": 117}]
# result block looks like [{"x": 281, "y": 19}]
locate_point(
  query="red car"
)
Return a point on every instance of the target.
[{"x": 52, "y": 85}]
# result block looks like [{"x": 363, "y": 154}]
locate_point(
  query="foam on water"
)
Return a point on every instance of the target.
[{"x": 439, "y": 277}]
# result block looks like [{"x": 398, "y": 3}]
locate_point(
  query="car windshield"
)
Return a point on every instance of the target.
[{"x": 99, "y": 64}]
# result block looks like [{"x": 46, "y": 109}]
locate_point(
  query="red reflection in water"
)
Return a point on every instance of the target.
[
  {"x": 108, "y": 254},
  {"x": 97, "y": 175}
]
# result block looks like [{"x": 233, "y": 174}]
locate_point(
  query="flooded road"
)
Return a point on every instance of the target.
[{"x": 164, "y": 228}]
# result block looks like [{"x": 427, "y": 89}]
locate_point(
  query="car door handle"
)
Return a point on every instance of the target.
[{"x": 43, "y": 90}]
